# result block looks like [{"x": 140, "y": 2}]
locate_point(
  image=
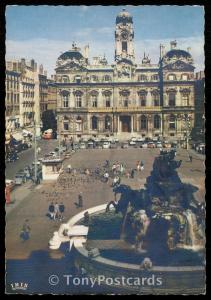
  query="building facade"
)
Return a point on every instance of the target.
[
  {"x": 26, "y": 94},
  {"x": 125, "y": 98},
  {"x": 199, "y": 128}
]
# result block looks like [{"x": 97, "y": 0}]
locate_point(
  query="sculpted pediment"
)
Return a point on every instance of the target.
[
  {"x": 71, "y": 66},
  {"x": 179, "y": 66}
]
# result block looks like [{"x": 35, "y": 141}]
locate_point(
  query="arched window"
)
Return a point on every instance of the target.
[
  {"x": 171, "y": 77},
  {"x": 157, "y": 122},
  {"x": 94, "y": 100},
  {"x": 156, "y": 98},
  {"x": 78, "y": 98},
  {"x": 65, "y": 79},
  {"x": 172, "y": 122},
  {"x": 172, "y": 99},
  {"x": 94, "y": 123},
  {"x": 143, "y": 122},
  {"x": 94, "y": 78},
  {"x": 107, "y": 123},
  {"x": 65, "y": 97},
  {"x": 142, "y": 98},
  {"x": 184, "y": 77}
]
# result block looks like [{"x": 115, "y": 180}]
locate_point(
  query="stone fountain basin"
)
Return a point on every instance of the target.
[{"x": 175, "y": 279}]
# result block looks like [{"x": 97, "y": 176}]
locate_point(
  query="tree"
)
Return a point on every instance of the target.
[{"x": 49, "y": 120}]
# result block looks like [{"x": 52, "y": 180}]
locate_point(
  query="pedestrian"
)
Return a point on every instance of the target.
[
  {"x": 56, "y": 211},
  {"x": 80, "y": 200},
  {"x": 132, "y": 173},
  {"x": 86, "y": 218},
  {"x": 190, "y": 158},
  {"x": 138, "y": 167},
  {"x": 116, "y": 181},
  {"x": 106, "y": 176},
  {"x": 69, "y": 168},
  {"x": 61, "y": 211},
  {"x": 142, "y": 165},
  {"x": 51, "y": 210},
  {"x": 25, "y": 231}
]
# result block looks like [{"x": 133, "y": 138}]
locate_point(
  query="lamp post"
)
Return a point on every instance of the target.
[{"x": 187, "y": 120}]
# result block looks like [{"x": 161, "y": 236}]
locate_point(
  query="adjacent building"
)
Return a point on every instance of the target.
[
  {"x": 126, "y": 98},
  {"x": 199, "y": 125}
]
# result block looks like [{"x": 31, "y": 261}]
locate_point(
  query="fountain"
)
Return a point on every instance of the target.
[{"x": 161, "y": 233}]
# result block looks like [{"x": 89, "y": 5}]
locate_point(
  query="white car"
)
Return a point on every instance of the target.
[
  {"x": 159, "y": 145},
  {"x": 140, "y": 139},
  {"x": 132, "y": 143},
  {"x": 106, "y": 145},
  {"x": 133, "y": 139},
  {"x": 144, "y": 145},
  {"x": 82, "y": 146},
  {"x": 116, "y": 140}
]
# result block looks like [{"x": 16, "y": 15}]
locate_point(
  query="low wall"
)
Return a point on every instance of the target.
[{"x": 174, "y": 280}]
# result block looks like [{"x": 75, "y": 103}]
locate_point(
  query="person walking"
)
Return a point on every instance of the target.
[
  {"x": 80, "y": 200},
  {"x": 25, "y": 231},
  {"x": 106, "y": 176},
  {"x": 142, "y": 165},
  {"x": 190, "y": 158},
  {"x": 56, "y": 211},
  {"x": 132, "y": 173},
  {"x": 51, "y": 210},
  {"x": 69, "y": 168},
  {"x": 61, "y": 211}
]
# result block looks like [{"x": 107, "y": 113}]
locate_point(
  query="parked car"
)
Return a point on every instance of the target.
[
  {"x": 132, "y": 143},
  {"x": 159, "y": 145},
  {"x": 106, "y": 145},
  {"x": 133, "y": 139},
  {"x": 12, "y": 156},
  {"x": 82, "y": 145},
  {"x": 116, "y": 140},
  {"x": 20, "y": 178},
  {"x": 124, "y": 145},
  {"x": 140, "y": 139},
  {"x": 98, "y": 145},
  {"x": 166, "y": 145},
  {"x": 201, "y": 148},
  {"x": 90, "y": 145},
  {"x": 144, "y": 145},
  {"x": 151, "y": 145}
]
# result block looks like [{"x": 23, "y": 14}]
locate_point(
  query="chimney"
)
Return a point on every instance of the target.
[
  {"x": 86, "y": 51},
  {"x": 173, "y": 44}
]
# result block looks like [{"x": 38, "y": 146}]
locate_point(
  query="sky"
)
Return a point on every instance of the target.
[{"x": 44, "y": 32}]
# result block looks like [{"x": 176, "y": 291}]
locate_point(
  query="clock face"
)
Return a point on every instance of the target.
[{"x": 124, "y": 35}]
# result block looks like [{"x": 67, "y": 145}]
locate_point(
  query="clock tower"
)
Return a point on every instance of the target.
[{"x": 124, "y": 37}]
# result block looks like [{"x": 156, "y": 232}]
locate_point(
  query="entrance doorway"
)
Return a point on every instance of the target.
[{"x": 126, "y": 123}]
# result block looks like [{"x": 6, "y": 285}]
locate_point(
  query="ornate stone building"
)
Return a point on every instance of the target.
[{"x": 125, "y": 99}]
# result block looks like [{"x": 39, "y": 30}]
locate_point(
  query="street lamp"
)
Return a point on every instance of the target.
[{"x": 187, "y": 120}]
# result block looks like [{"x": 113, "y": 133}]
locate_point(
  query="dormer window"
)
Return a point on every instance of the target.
[
  {"x": 184, "y": 77},
  {"x": 171, "y": 77}
]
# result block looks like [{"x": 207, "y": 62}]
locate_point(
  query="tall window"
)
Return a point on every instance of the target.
[
  {"x": 94, "y": 100},
  {"x": 78, "y": 124},
  {"x": 65, "y": 79},
  {"x": 142, "y": 98},
  {"x": 78, "y": 101},
  {"x": 185, "y": 99},
  {"x": 143, "y": 122},
  {"x": 184, "y": 77},
  {"x": 156, "y": 99},
  {"x": 172, "y": 122},
  {"x": 107, "y": 78},
  {"x": 65, "y": 96},
  {"x": 172, "y": 99},
  {"x": 94, "y": 123},
  {"x": 157, "y": 121},
  {"x": 107, "y": 101},
  {"x": 66, "y": 125},
  {"x": 124, "y": 46},
  {"x": 107, "y": 123}
]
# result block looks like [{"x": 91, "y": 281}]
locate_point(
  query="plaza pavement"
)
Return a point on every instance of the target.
[{"x": 32, "y": 202}]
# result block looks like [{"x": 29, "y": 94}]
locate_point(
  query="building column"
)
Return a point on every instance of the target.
[{"x": 131, "y": 122}]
